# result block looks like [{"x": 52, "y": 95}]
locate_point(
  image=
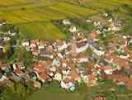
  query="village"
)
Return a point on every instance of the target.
[{"x": 103, "y": 53}]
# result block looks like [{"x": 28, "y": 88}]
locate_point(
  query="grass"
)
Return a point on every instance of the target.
[
  {"x": 54, "y": 92},
  {"x": 25, "y": 14},
  {"x": 80, "y": 11},
  {"x": 105, "y": 88},
  {"x": 41, "y": 30},
  {"x": 45, "y": 95},
  {"x": 35, "y": 21},
  {"x": 11, "y": 2},
  {"x": 54, "y": 12}
]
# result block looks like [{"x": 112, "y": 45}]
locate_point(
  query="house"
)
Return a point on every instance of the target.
[
  {"x": 92, "y": 80},
  {"x": 68, "y": 85},
  {"x": 107, "y": 69},
  {"x": 35, "y": 52},
  {"x": 66, "y": 22},
  {"x": 58, "y": 77},
  {"x": 93, "y": 35},
  {"x": 97, "y": 52},
  {"x": 81, "y": 42},
  {"x": 33, "y": 44},
  {"x": 63, "y": 46},
  {"x": 96, "y": 24},
  {"x": 73, "y": 29},
  {"x": 26, "y": 43},
  {"x": 17, "y": 69},
  {"x": 73, "y": 74},
  {"x": 37, "y": 84},
  {"x": 65, "y": 72},
  {"x": 84, "y": 78},
  {"x": 124, "y": 56},
  {"x": 123, "y": 63},
  {"x": 13, "y": 77},
  {"x": 130, "y": 42},
  {"x": 82, "y": 47},
  {"x": 45, "y": 53},
  {"x": 100, "y": 98},
  {"x": 6, "y": 39},
  {"x": 5, "y": 68},
  {"x": 53, "y": 69},
  {"x": 33, "y": 75},
  {"x": 2, "y": 22},
  {"x": 105, "y": 14},
  {"x": 120, "y": 78},
  {"x": 88, "y": 21},
  {"x": 56, "y": 62},
  {"x": 3, "y": 78},
  {"x": 114, "y": 28},
  {"x": 41, "y": 71},
  {"x": 18, "y": 72},
  {"x": 60, "y": 55},
  {"x": 110, "y": 20},
  {"x": 83, "y": 60},
  {"x": 40, "y": 47},
  {"x": 50, "y": 48},
  {"x": 11, "y": 33},
  {"x": 98, "y": 32},
  {"x": 17, "y": 65}
]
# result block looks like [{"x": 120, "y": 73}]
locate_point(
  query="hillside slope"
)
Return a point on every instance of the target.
[{"x": 31, "y": 16}]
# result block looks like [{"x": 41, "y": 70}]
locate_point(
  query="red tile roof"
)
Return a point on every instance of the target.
[
  {"x": 41, "y": 69},
  {"x": 121, "y": 62},
  {"x": 122, "y": 78}
]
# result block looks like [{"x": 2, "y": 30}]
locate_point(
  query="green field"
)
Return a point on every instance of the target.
[
  {"x": 45, "y": 94},
  {"x": 107, "y": 89},
  {"x": 41, "y": 30},
  {"x": 34, "y": 17},
  {"x": 54, "y": 92}
]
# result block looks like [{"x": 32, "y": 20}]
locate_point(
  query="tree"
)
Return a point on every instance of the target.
[{"x": 14, "y": 92}]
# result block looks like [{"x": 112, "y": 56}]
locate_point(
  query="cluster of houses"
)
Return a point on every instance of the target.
[
  {"x": 11, "y": 73},
  {"x": 5, "y": 36},
  {"x": 81, "y": 59},
  {"x": 69, "y": 62}
]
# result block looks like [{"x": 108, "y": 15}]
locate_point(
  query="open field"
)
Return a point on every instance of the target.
[
  {"x": 34, "y": 16},
  {"x": 41, "y": 30},
  {"x": 55, "y": 95},
  {"x": 10, "y": 2},
  {"x": 54, "y": 92}
]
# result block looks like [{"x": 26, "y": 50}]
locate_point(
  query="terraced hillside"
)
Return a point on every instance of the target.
[{"x": 34, "y": 17}]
